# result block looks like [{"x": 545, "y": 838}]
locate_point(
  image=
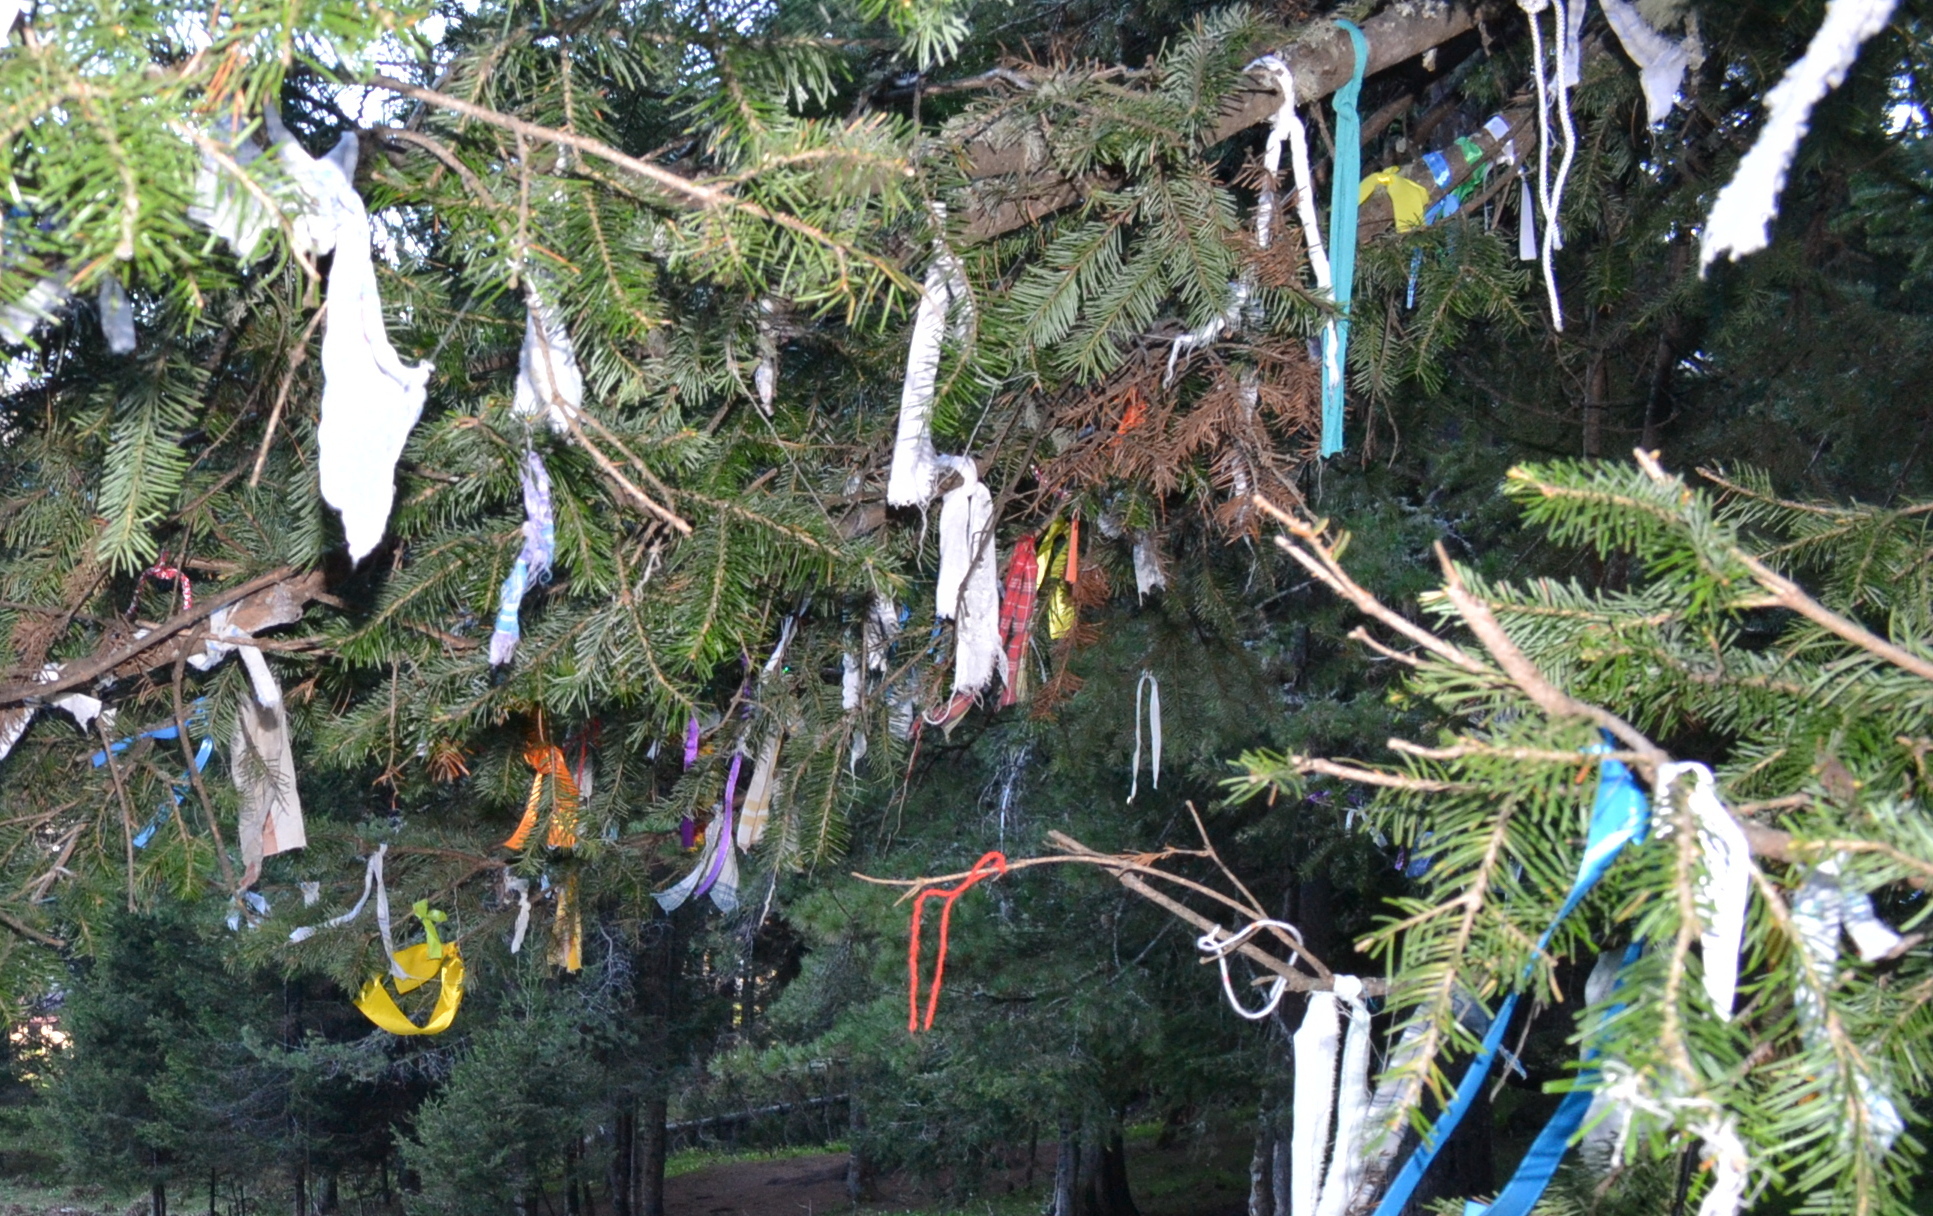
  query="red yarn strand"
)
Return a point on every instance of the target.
[{"x": 986, "y": 867}]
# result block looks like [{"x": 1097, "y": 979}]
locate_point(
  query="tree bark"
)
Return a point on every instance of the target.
[
  {"x": 652, "y": 1157},
  {"x": 1322, "y": 62},
  {"x": 1261, "y": 1171},
  {"x": 1111, "y": 1177},
  {"x": 624, "y": 1159},
  {"x": 1066, "y": 1170},
  {"x": 158, "y": 1199}
]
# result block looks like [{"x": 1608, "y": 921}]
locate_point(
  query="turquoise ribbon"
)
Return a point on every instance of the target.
[
  {"x": 1345, "y": 188},
  {"x": 1546, "y": 1153},
  {"x": 1619, "y": 814}
]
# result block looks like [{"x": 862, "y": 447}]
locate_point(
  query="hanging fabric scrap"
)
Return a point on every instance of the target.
[
  {"x": 1346, "y": 187},
  {"x": 915, "y": 471},
  {"x": 117, "y": 316},
  {"x": 533, "y": 560},
  {"x": 567, "y": 929},
  {"x": 372, "y": 880},
  {"x": 1352, "y": 1102},
  {"x": 1821, "y": 911},
  {"x": 716, "y": 873},
  {"x": 1724, "y": 878},
  {"x": 1288, "y": 125},
  {"x": 548, "y": 762},
  {"x": 1661, "y": 62},
  {"x": 262, "y": 764},
  {"x": 988, "y": 865},
  {"x": 550, "y": 385},
  {"x": 968, "y": 590},
  {"x": 1017, "y": 616},
  {"x": 519, "y": 887},
  {"x": 1147, "y": 690},
  {"x": 418, "y": 967},
  {"x": 756, "y": 810},
  {"x": 1741, "y": 217},
  {"x": 1619, "y": 815}
]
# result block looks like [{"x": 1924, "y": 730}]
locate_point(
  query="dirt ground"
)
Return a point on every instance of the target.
[{"x": 1185, "y": 1179}]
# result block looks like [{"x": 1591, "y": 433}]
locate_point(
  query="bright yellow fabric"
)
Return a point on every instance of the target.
[
  {"x": 379, "y": 1007},
  {"x": 1407, "y": 200}
]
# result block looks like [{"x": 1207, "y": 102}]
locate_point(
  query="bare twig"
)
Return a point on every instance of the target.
[
  {"x": 296, "y": 359},
  {"x": 28, "y": 931},
  {"x": 194, "y": 778},
  {"x": 120, "y": 792}
]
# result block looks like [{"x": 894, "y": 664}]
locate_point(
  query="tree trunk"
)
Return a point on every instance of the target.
[
  {"x": 158, "y": 1199},
  {"x": 624, "y": 1159},
  {"x": 651, "y": 1159},
  {"x": 301, "y": 1190},
  {"x": 1282, "y": 1175},
  {"x": 1597, "y": 384},
  {"x": 1066, "y": 1168},
  {"x": 1087, "y": 1170},
  {"x": 856, "y": 1180},
  {"x": 1261, "y": 1171},
  {"x": 1111, "y": 1180},
  {"x": 331, "y": 1192}
]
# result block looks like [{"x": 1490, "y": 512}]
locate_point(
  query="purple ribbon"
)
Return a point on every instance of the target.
[
  {"x": 724, "y": 827},
  {"x": 691, "y": 743}
]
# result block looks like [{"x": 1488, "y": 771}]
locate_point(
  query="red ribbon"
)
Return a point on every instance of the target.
[
  {"x": 1017, "y": 613},
  {"x": 164, "y": 571},
  {"x": 987, "y": 866}
]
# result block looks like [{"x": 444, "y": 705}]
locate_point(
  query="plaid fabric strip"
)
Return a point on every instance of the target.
[{"x": 1017, "y": 612}]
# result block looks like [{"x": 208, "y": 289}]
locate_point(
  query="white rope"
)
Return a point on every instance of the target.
[
  {"x": 1208, "y": 331},
  {"x": 1288, "y": 125},
  {"x": 1531, "y": 9},
  {"x": 1152, "y": 687},
  {"x": 1741, "y": 216},
  {"x": 1218, "y": 947}
]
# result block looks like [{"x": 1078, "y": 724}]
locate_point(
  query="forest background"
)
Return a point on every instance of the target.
[{"x": 730, "y": 208}]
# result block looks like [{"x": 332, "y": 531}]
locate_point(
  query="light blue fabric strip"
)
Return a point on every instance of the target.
[
  {"x": 1546, "y": 1153},
  {"x": 1620, "y": 813},
  {"x": 1439, "y": 167},
  {"x": 1345, "y": 187}
]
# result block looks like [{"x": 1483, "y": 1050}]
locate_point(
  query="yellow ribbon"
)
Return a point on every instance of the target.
[
  {"x": 379, "y": 1007},
  {"x": 567, "y": 934},
  {"x": 1407, "y": 200},
  {"x": 1061, "y": 613}
]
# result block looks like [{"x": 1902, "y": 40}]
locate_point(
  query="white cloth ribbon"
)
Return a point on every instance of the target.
[
  {"x": 372, "y": 879},
  {"x": 1148, "y": 574},
  {"x": 1151, "y": 687},
  {"x": 520, "y": 887},
  {"x": 916, "y": 467},
  {"x": 1352, "y": 1103},
  {"x": 1661, "y": 61},
  {"x": 1741, "y": 217},
  {"x": 1724, "y": 880},
  {"x": 1208, "y": 331},
  {"x": 19, "y": 319},
  {"x": 881, "y": 627},
  {"x": 549, "y": 382},
  {"x": 1821, "y": 910},
  {"x": 227, "y": 637},
  {"x": 1315, "y": 1090},
  {"x": 968, "y": 589},
  {"x": 765, "y": 377},
  {"x": 852, "y": 686},
  {"x": 83, "y": 708},
  {"x": 371, "y": 399},
  {"x": 724, "y": 892},
  {"x": 1288, "y": 125}
]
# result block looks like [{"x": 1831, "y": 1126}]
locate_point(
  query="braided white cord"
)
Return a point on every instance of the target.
[{"x": 1545, "y": 201}]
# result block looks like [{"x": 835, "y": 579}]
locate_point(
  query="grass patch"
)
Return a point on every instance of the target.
[{"x": 691, "y": 1160}]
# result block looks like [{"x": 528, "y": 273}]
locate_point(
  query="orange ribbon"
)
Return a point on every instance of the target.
[
  {"x": 988, "y": 865},
  {"x": 548, "y": 760}
]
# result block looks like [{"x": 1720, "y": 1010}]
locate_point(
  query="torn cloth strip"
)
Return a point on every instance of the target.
[
  {"x": 117, "y": 316},
  {"x": 372, "y": 880},
  {"x": 550, "y": 385},
  {"x": 1741, "y": 217},
  {"x": 371, "y": 399},
  {"x": 1343, "y": 202},
  {"x": 262, "y": 763},
  {"x": 1821, "y": 910},
  {"x": 416, "y": 968},
  {"x": 968, "y": 590},
  {"x": 1352, "y": 1103},
  {"x": 726, "y": 855},
  {"x": 533, "y": 560},
  {"x": 1315, "y": 1045},
  {"x": 1017, "y": 614},
  {"x": 1661, "y": 61},
  {"x": 759, "y": 792},
  {"x": 1619, "y": 815},
  {"x": 176, "y": 792},
  {"x": 1724, "y": 879},
  {"x": 916, "y": 471}
]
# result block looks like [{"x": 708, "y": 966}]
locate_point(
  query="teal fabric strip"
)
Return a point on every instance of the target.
[{"x": 1345, "y": 188}]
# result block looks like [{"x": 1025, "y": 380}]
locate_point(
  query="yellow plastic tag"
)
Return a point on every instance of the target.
[{"x": 379, "y": 1007}]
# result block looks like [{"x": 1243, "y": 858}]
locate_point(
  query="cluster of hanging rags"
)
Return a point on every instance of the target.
[{"x": 1599, "y": 1110}]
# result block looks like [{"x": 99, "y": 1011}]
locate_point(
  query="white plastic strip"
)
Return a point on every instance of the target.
[
  {"x": 520, "y": 887},
  {"x": 549, "y": 382}
]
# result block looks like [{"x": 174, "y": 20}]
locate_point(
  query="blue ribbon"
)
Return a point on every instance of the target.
[
  {"x": 176, "y": 791},
  {"x": 196, "y": 718},
  {"x": 1439, "y": 167},
  {"x": 1345, "y": 189},
  {"x": 1619, "y": 814},
  {"x": 1546, "y": 1153}
]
